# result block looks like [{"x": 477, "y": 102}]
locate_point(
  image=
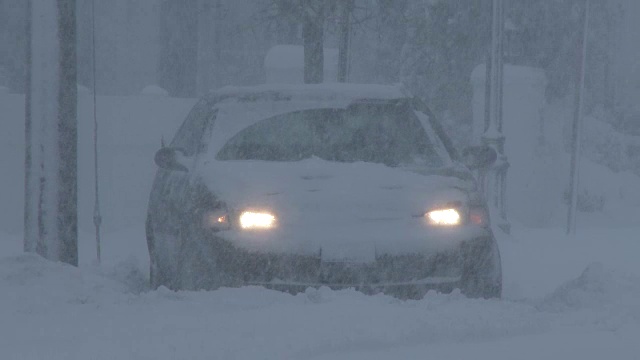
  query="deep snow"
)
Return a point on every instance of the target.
[{"x": 564, "y": 299}]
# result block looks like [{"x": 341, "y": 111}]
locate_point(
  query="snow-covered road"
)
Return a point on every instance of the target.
[{"x": 564, "y": 299}]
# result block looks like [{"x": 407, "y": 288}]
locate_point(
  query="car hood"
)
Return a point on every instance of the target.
[{"x": 349, "y": 210}]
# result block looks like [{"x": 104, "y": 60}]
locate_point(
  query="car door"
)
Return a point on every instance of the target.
[{"x": 171, "y": 199}]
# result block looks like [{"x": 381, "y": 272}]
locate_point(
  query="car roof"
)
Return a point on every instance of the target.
[
  {"x": 342, "y": 92},
  {"x": 238, "y": 107}
]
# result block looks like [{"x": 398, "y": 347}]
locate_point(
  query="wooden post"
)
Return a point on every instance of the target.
[{"x": 51, "y": 217}]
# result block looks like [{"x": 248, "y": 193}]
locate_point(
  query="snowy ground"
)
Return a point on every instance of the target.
[{"x": 564, "y": 299}]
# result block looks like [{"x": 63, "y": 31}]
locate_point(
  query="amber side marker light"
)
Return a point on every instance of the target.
[
  {"x": 216, "y": 220},
  {"x": 479, "y": 216}
]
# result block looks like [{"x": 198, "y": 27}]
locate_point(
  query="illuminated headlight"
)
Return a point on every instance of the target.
[
  {"x": 251, "y": 220},
  {"x": 443, "y": 217}
]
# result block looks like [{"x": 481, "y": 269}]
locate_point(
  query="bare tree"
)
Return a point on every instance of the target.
[
  {"x": 313, "y": 39},
  {"x": 346, "y": 8},
  {"x": 178, "y": 64}
]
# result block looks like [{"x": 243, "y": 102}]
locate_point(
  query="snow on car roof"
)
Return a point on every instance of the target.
[
  {"x": 313, "y": 92},
  {"x": 240, "y": 107}
]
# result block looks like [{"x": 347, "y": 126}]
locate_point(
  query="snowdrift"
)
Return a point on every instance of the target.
[
  {"x": 130, "y": 129},
  {"x": 55, "y": 311}
]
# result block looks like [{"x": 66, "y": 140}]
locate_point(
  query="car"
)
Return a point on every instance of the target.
[{"x": 338, "y": 185}]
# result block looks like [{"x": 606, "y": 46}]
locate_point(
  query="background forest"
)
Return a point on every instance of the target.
[{"x": 188, "y": 47}]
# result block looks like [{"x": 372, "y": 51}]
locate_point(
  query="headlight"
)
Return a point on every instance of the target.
[
  {"x": 251, "y": 220},
  {"x": 443, "y": 217}
]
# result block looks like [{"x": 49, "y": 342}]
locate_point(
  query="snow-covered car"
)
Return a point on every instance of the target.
[{"x": 338, "y": 185}]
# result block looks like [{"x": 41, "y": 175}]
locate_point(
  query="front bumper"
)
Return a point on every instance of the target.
[{"x": 406, "y": 276}]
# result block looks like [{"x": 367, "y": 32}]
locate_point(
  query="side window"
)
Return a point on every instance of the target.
[
  {"x": 437, "y": 127},
  {"x": 190, "y": 135}
]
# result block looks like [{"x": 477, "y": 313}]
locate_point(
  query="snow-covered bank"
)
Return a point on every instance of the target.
[
  {"x": 563, "y": 299},
  {"x": 537, "y": 261},
  {"x": 130, "y": 129}
]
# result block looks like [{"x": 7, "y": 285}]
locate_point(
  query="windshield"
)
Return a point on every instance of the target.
[{"x": 389, "y": 134}]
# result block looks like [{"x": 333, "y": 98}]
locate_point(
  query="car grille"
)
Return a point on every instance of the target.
[{"x": 387, "y": 270}]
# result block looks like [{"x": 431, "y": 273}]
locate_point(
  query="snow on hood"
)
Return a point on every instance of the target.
[
  {"x": 351, "y": 210},
  {"x": 345, "y": 209}
]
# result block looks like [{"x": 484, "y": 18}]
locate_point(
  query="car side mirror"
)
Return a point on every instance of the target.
[
  {"x": 479, "y": 157},
  {"x": 168, "y": 158}
]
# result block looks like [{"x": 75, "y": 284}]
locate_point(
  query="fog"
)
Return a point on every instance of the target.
[{"x": 142, "y": 66}]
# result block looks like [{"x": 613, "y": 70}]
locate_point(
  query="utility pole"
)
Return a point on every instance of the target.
[
  {"x": 493, "y": 136},
  {"x": 576, "y": 135},
  {"x": 51, "y": 216}
]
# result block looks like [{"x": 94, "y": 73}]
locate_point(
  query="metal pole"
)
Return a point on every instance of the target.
[
  {"x": 504, "y": 223},
  {"x": 495, "y": 66},
  {"x": 576, "y": 140},
  {"x": 97, "y": 219},
  {"x": 500, "y": 64},
  {"x": 487, "y": 93},
  {"x": 493, "y": 136},
  {"x": 30, "y": 167}
]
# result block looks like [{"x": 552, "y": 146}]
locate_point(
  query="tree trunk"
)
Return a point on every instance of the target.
[
  {"x": 312, "y": 33},
  {"x": 178, "y": 65},
  {"x": 205, "y": 53},
  {"x": 343, "y": 47},
  {"x": 51, "y": 226}
]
